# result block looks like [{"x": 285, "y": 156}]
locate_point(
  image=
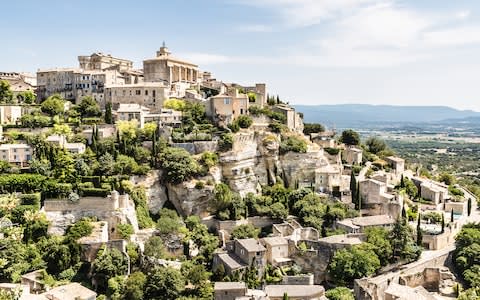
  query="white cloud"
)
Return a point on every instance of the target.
[
  {"x": 462, "y": 15},
  {"x": 458, "y": 36}
]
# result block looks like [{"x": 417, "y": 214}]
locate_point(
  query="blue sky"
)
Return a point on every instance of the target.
[{"x": 308, "y": 51}]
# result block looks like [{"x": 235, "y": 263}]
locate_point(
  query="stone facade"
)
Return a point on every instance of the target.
[
  {"x": 148, "y": 94},
  {"x": 167, "y": 69},
  {"x": 17, "y": 154}
]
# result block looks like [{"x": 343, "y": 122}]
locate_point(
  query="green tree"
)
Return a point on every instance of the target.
[
  {"x": 174, "y": 103},
  {"x": 309, "y": 128},
  {"x": 88, "y": 107},
  {"x": 168, "y": 221},
  {"x": 27, "y": 97},
  {"x": 469, "y": 206},
  {"x": 134, "y": 286},
  {"x": 108, "y": 264},
  {"x": 350, "y": 264},
  {"x": 340, "y": 293},
  {"x": 244, "y": 121},
  {"x": 401, "y": 238},
  {"x": 245, "y": 231},
  {"x": 447, "y": 178},
  {"x": 164, "y": 284},
  {"x": 53, "y": 105},
  {"x": 178, "y": 164},
  {"x": 350, "y": 137},
  {"x": 108, "y": 113},
  {"x": 6, "y": 94},
  {"x": 154, "y": 247},
  {"x": 375, "y": 145},
  {"x": 379, "y": 238},
  {"x": 419, "y": 231}
]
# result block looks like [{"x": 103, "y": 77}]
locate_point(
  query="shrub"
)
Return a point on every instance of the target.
[
  {"x": 252, "y": 97},
  {"x": 277, "y": 127},
  {"x": 244, "y": 121},
  {"x": 199, "y": 185},
  {"x": 125, "y": 230},
  {"x": 174, "y": 103},
  {"x": 94, "y": 192},
  {"x": 294, "y": 144},
  {"x": 178, "y": 164},
  {"x": 226, "y": 142},
  {"x": 245, "y": 232},
  {"x": 80, "y": 229},
  {"x": 309, "y": 128},
  {"x": 31, "y": 199},
  {"x": 332, "y": 151}
]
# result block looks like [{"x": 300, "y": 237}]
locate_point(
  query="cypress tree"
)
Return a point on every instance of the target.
[
  {"x": 469, "y": 206},
  {"x": 419, "y": 231},
  {"x": 402, "y": 182},
  {"x": 404, "y": 213},
  {"x": 443, "y": 223},
  {"x": 108, "y": 113},
  {"x": 358, "y": 200},
  {"x": 451, "y": 216},
  {"x": 353, "y": 185}
]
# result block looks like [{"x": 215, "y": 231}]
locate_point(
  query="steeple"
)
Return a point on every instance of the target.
[{"x": 163, "y": 50}]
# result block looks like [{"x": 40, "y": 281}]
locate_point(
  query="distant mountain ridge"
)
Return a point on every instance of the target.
[{"x": 355, "y": 115}]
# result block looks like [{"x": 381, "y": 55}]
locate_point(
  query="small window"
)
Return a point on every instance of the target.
[
  {"x": 146, "y": 92},
  {"x": 226, "y": 101},
  {"x": 138, "y": 92}
]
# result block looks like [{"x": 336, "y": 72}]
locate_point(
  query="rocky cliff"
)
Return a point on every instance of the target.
[{"x": 253, "y": 161}]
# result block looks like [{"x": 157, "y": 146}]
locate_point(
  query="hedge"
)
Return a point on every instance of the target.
[
  {"x": 94, "y": 192},
  {"x": 31, "y": 199},
  {"x": 26, "y": 183}
]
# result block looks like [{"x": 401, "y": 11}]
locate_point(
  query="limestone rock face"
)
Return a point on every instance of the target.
[
  {"x": 189, "y": 200},
  {"x": 253, "y": 161},
  {"x": 155, "y": 190}
]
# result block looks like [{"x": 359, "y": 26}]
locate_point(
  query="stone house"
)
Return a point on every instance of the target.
[
  {"x": 277, "y": 250},
  {"x": 353, "y": 155},
  {"x": 293, "y": 119},
  {"x": 295, "y": 292},
  {"x": 240, "y": 254},
  {"x": 225, "y": 108},
  {"x": 16, "y": 154},
  {"x": 149, "y": 94},
  {"x": 360, "y": 224},
  {"x": 324, "y": 139},
  {"x": 229, "y": 290},
  {"x": 61, "y": 141},
  {"x": 10, "y": 114},
  {"x": 379, "y": 198},
  {"x": 397, "y": 164}
]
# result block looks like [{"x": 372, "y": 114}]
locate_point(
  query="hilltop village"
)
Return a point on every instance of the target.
[{"x": 167, "y": 183}]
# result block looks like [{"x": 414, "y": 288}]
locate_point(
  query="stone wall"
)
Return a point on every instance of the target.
[
  {"x": 374, "y": 288},
  {"x": 298, "y": 280},
  {"x": 198, "y": 147}
]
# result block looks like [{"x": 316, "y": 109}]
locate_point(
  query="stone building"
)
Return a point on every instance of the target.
[
  {"x": 353, "y": 155},
  {"x": 16, "y": 154},
  {"x": 277, "y": 250},
  {"x": 19, "y": 82},
  {"x": 10, "y": 114},
  {"x": 397, "y": 164},
  {"x": 167, "y": 69},
  {"x": 360, "y": 224},
  {"x": 100, "y": 61},
  {"x": 96, "y": 72},
  {"x": 148, "y": 94},
  {"x": 229, "y": 290},
  {"x": 225, "y": 108},
  {"x": 293, "y": 119},
  {"x": 240, "y": 254}
]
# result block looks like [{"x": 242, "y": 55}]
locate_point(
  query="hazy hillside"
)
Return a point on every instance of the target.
[{"x": 354, "y": 115}]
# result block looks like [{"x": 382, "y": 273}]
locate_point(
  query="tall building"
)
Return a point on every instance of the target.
[
  {"x": 96, "y": 72},
  {"x": 168, "y": 69}
]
